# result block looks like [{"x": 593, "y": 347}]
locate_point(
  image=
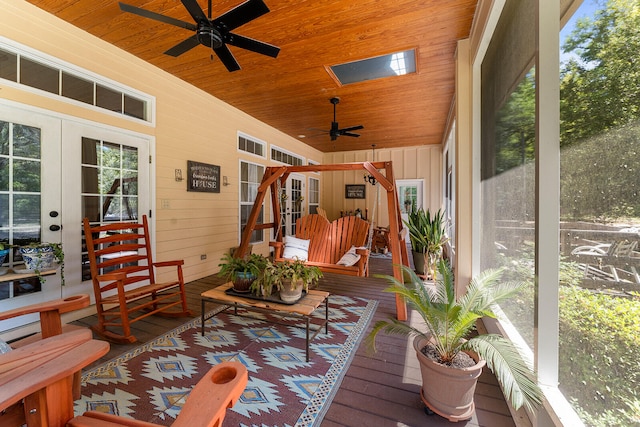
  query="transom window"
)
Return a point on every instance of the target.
[
  {"x": 282, "y": 156},
  {"x": 34, "y": 69},
  {"x": 251, "y": 145}
]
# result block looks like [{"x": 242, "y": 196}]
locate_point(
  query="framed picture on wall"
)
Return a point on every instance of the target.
[{"x": 354, "y": 191}]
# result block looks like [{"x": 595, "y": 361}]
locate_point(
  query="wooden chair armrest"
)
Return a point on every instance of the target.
[
  {"x": 173, "y": 263},
  {"x": 217, "y": 391},
  {"x": 50, "y": 311},
  {"x": 30, "y": 368},
  {"x": 206, "y": 405},
  {"x": 62, "y": 305},
  {"x": 112, "y": 277}
]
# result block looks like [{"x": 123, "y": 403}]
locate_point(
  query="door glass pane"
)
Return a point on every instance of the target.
[
  {"x": 26, "y": 141},
  {"x": 20, "y": 178},
  {"x": 26, "y": 175},
  {"x": 109, "y": 185},
  {"x": 109, "y": 181}
]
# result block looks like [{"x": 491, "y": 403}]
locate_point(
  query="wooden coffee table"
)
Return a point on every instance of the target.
[{"x": 302, "y": 309}]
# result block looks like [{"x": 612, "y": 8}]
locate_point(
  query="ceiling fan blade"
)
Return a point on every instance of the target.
[
  {"x": 349, "y": 129},
  {"x": 195, "y": 10},
  {"x": 247, "y": 11},
  {"x": 183, "y": 46},
  {"x": 252, "y": 45},
  {"x": 349, "y": 134},
  {"x": 156, "y": 16},
  {"x": 227, "y": 58}
]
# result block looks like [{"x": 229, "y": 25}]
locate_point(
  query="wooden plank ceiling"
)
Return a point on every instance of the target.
[{"x": 292, "y": 92}]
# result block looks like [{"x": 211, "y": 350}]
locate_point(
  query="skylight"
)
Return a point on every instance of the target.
[{"x": 394, "y": 64}]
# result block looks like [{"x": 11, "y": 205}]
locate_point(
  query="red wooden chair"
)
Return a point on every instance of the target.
[{"x": 123, "y": 276}]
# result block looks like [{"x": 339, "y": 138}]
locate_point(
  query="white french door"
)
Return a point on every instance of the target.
[
  {"x": 410, "y": 195},
  {"x": 108, "y": 180},
  {"x": 54, "y": 172},
  {"x": 292, "y": 203},
  {"x": 30, "y": 202}
]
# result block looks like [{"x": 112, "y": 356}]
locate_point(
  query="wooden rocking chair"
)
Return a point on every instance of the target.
[{"x": 123, "y": 275}]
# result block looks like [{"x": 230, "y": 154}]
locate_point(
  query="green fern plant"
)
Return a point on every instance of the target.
[{"x": 450, "y": 321}]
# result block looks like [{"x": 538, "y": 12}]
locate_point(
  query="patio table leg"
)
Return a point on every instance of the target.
[{"x": 307, "y": 319}]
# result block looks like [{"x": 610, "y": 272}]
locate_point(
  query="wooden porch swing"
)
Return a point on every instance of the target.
[{"x": 275, "y": 178}]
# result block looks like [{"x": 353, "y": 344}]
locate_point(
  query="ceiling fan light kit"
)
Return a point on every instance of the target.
[{"x": 214, "y": 33}]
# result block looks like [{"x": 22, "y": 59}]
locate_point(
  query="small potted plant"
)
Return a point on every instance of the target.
[
  {"x": 295, "y": 277},
  {"x": 42, "y": 256},
  {"x": 291, "y": 278},
  {"x": 242, "y": 272},
  {"x": 451, "y": 359}
]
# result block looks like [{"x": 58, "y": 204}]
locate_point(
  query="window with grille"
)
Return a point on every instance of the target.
[{"x": 250, "y": 178}]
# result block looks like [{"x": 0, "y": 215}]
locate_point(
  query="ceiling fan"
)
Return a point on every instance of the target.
[
  {"x": 335, "y": 130},
  {"x": 214, "y": 33}
]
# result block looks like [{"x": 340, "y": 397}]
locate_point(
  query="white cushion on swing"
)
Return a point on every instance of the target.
[
  {"x": 296, "y": 248},
  {"x": 350, "y": 258}
]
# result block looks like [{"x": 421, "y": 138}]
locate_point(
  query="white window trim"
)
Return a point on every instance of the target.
[
  {"x": 241, "y": 203},
  {"x": 291, "y": 153},
  {"x": 48, "y": 60},
  {"x": 265, "y": 146}
]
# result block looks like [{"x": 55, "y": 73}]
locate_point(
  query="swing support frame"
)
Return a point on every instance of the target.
[{"x": 276, "y": 176}]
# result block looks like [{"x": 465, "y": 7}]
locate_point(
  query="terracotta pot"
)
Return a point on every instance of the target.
[
  {"x": 445, "y": 390},
  {"x": 291, "y": 292}
]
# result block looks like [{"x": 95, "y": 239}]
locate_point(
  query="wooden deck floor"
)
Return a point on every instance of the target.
[{"x": 380, "y": 389}]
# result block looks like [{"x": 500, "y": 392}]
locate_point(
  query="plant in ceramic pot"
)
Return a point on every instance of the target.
[
  {"x": 451, "y": 358},
  {"x": 41, "y": 256},
  {"x": 288, "y": 277},
  {"x": 294, "y": 277},
  {"x": 427, "y": 234},
  {"x": 242, "y": 272}
]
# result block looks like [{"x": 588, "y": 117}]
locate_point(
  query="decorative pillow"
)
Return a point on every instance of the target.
[
  {"x": 296, "y": 248},
  {"x": 350, "y": 258}
]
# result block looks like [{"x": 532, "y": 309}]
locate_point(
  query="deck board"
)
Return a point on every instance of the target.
[{"x": 379, "y": 389}]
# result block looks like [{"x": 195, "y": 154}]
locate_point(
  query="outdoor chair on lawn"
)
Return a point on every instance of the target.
[{"x": 124, "y": 279}]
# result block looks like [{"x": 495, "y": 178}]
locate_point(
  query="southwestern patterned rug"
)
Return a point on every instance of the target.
[{"x": 151, "y": 382}]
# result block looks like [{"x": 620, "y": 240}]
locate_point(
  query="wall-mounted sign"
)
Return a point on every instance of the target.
[
  {"x": 354, "y": 191},
  {"x": 203, "y": 177}
]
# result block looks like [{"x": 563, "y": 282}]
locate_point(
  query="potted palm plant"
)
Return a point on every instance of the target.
[
  {"x": 428, "y": 236},
  {"x": 242, "y": 272},
  {"x": 451, "y": 359}
]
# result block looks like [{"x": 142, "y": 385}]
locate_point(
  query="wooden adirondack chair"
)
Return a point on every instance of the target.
[
  {"x": 206, "y": 405},
  {"x": 34, "y": 387}
]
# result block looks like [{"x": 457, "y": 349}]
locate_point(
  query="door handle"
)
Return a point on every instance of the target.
[{"x": 55, "y": 227}]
